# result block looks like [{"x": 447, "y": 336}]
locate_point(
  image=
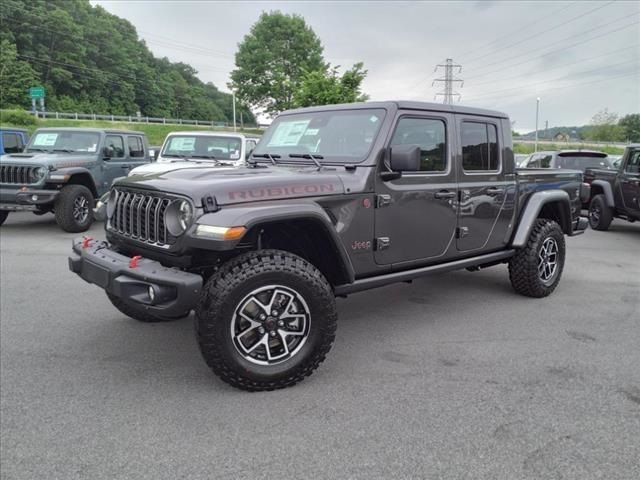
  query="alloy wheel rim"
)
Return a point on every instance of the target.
[
  {"x": 594, "y": 214},
  {"x": 270, "y": 325},
  {"x": 80, "y": 209},
  {"x": 548, "y": 260}
]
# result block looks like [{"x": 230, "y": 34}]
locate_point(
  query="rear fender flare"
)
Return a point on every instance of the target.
[{"x": 532, "y": 211}]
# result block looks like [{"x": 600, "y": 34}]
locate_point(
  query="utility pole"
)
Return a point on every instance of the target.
[
  {"x": 535, "y": 148},
  {"x": 448, "y": 80},
  {"x": 234, "y": 110},
  {"x": 546, "y": 127}
]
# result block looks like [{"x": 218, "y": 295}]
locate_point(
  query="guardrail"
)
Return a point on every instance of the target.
[
  {"x": 135, "y": 119},
  {"x": 589, "y": 143}
]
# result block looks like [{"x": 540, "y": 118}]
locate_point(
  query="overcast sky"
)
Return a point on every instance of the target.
[{"x": 579, "y": 57}]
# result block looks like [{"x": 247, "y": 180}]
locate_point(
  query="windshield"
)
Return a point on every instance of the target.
[
  {"x": 203, "y": 146},
  {"x": 64, "y": 141},
  {"x": 582, "y": 162},
  {"x": 343, "y": 136}
]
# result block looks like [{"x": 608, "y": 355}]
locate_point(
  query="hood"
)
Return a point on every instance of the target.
[
  {"x": 162, "y": 167},
  {"x": 53, "y": 160},
  {"x": 231, "y": 185}
]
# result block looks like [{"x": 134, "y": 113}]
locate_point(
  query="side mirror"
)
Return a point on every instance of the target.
[
  {"x": 248, "y": 154},
  {"x": 107, "y": 152},
  {"x": 405, "y": 158}
]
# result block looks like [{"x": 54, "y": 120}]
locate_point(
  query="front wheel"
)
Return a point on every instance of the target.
[
  {"x": 535, "y": 270},
  {"x": 267, "y": 319},
  {"x": 73, "y": 208}
]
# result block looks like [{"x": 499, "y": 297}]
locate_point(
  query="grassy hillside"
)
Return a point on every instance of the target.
[
  {"x": 155, "y": 133},
  {"x": 529, "y": 147}
]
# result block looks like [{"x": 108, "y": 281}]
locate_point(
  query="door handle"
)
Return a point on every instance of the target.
[
  {"x": 494, "y": 191},
  {"x": 125, "y": 166},
  {"x": 444, "y": 194}
]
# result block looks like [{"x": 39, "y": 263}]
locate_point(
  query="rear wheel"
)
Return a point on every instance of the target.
[
  {"x": 266, "y": 320},
  {"x": 139, "y": 314},
  {"x": 3, "y": 216},
  {"x": 73, "y": 208},
  {"x": 600, "y": 214},
  {"x": 535, "y": 270}
]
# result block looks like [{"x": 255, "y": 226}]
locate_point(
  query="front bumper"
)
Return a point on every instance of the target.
[
  {"x": 579, "y": 226},
  {"x": 26, "y": 199},
  {"x": 177, "y": 292}
]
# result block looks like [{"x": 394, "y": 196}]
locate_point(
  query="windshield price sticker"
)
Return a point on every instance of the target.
[
  {"x": 183, "y": 143},
  {"x": 45, "y": 140},
  {"x": 288, "y": 134}
]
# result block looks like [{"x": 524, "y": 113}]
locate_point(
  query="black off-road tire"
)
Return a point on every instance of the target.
[
  {"x": 3, "y": 216},
  {"x": 600, "y": 214},
  {"x": 139, "y": 314},
  {"x": 64, "y": 208},
  {"x": 524, "y": 266},
  {"x": 225, "y": 291}
]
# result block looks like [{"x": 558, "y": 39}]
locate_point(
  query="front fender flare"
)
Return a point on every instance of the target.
[
  {"x": 608, "y": 191},
  {"x": 532, "y": 210},
  {"x": 254, "y": 215}
]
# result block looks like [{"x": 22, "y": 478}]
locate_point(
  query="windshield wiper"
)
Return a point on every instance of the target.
[
  {"x": 65, "y": 150},
  {"x": 308, "y": 156},
  {"x": 174, "y": 156},
  {"x": 208, "y": 157},
  {"x": 34, "y": 149},
  {"x": 270, "y": 156}
]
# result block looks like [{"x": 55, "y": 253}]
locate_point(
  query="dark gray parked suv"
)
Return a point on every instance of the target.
[
  {"x": 334, "y": 200},
  {"x": 63, "y": 170}
]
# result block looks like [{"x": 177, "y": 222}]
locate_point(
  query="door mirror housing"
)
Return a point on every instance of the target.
[
  {"x": 107, "y": 152},
  {"x": 405, "y": 158}
]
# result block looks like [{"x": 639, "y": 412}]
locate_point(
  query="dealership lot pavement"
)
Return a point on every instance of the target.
[{"x": 452, "y": 376}]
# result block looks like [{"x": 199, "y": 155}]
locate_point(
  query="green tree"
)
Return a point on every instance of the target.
[
  {"x": 327, "y": 87},
  {"x": 631, "y": 127},
  {"x": 273, "y": 58},
  {"x": 16, "y": 76},
  {"x": 605, "y": 128}
]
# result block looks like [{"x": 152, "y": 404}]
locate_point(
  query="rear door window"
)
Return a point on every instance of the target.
[
  {"x": 479, "y": 147},
  {"x": 136, "y": 147}
]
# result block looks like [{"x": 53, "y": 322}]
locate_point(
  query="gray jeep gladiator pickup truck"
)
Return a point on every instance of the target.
[
  {"x": 615, "y": 193},
  {"x": 334, "y": 200},
  {"x": 63, "y": 170}
]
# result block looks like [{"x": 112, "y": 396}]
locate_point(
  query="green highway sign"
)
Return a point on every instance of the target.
[{"x": 36, "y": 92}]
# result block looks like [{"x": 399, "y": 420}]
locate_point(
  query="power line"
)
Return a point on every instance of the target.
[
  {"x": 582, "y": 60},
  {"x": 537, "y": 34},
  {"x": 518, "y": 31},
  {"x": 544, "y": 92},
  {"x": 520, "y": 87},
  {"x": 552, "y": 51}
]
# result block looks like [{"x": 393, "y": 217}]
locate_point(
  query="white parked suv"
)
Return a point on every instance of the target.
[{"x": 193, "y": 149}]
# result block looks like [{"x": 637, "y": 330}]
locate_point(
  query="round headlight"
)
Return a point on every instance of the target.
[
  {"x": 178, "y": 217},
  {"x": 38, "y": 174},
  {"x": 111, "y": 201}
]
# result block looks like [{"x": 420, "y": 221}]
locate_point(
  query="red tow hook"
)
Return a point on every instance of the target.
[
  {"x": 133, "y": 263},
  {"x": 86, "y": 242}
]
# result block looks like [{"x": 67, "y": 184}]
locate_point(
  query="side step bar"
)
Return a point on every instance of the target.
[{"x": 395, "y": 277}]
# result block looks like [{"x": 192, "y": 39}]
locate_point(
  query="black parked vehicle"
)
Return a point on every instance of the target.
[
  {"x": 615, "y": 193},
  {"x": 334, "y": 200},
  {"x": 571, "y": 159}
]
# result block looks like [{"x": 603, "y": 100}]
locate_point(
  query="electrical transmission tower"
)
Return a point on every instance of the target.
[{"x": 448, "y": 80}]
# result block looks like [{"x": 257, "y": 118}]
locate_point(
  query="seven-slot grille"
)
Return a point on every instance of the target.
[
  {"x": 140, "y": 215},
  {"x": 17, "y": 174}
]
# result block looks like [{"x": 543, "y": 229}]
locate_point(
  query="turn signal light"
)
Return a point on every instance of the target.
[{"x": 220, "y": 233}]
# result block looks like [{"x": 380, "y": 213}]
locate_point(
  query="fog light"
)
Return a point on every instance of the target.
[
  {"x": 34, "y": 198},
  {"x": 152, "y": 293}
]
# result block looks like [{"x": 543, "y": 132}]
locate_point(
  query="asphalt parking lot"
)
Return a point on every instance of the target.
[{"x": 452, "y": 376}]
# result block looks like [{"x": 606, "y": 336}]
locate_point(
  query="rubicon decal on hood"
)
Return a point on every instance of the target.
[
  {"x": 283, "y": 191},
  {"x": 71, "y": 164}
]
